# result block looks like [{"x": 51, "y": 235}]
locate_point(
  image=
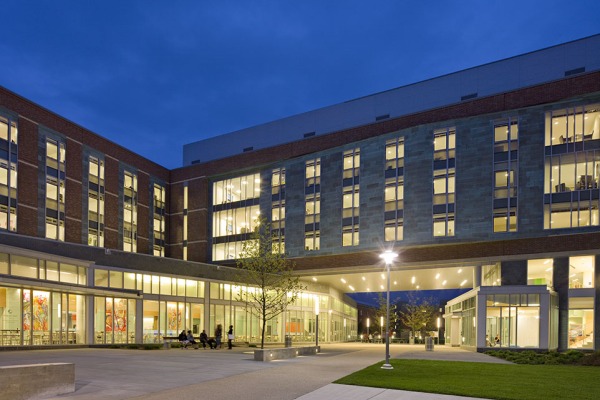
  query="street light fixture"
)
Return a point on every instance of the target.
[
  {"x": 389, "y": 257},
  {"x": 368, "y": 323}
]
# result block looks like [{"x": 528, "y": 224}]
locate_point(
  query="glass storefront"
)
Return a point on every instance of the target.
[
  {"x": 114, "y": 320},
  {"x": 40, "y": 317},
  {"x": 513, "y": 320}
]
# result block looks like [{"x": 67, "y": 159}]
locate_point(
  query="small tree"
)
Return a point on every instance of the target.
[
  {"x": 417, "y": 314},
  {"x": 382, "y": 312},
  {"x": 268, "y": 274}
]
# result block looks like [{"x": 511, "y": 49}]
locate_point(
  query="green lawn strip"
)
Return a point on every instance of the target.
[{"x": 491, "y": 381}]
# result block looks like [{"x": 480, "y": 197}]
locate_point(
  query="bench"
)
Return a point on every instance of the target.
[
  {"x": 283, "y": 353},
  {"x": 37, "y": 380},
  {"x": 167, "y": 340}
]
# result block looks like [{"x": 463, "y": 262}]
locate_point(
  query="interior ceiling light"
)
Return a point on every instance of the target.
[
  {"x": 395, "y": 283},
  {"x": 381, "y": 286},
  {"x": 314, "y": 278},
  {"x": 463, "y": 282},
  {"x": 413, "y": 280},
  {"x": 443, "y": 283},
  {"x": 459, "y": 270},
  {"x": 437, "y": 276},
  {"x": 343, "y": 280},
  {"x": 351, "y": 287},
  {"x": 364, "y": 279},
  {"x": 383, "y": 276},
  {"x": 418, "y": 286}
]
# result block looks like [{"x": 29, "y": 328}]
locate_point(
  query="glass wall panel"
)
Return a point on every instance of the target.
[{"x": 150, "y": 325}]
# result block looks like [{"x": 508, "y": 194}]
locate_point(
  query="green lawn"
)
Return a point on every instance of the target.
[{"x": 491, "y": 381}]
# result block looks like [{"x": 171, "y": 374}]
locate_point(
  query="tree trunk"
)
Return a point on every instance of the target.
[{"x": 264, "y": 325}]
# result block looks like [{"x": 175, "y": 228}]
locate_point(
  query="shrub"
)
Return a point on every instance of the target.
[
  {"x": 591, "y": 359},
  {"x": 570, "y": 357}
]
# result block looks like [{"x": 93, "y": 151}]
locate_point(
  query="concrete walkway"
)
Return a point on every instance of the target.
[{"x": 230, "y": 374}]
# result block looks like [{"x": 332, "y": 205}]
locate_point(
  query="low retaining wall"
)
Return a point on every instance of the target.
[
  {"x": 285, "y": 352},
  {"x": 36, "y": 381}
]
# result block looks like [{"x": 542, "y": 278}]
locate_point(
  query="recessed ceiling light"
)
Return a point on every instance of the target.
[
  {"x": 463, "y": 282},
  {"x": 364, "y": 279},
  {"x": 351, "y": 287},
  {"x": 437, "y": 276},
  {"x": 383, "y": 276},
  {"x": 343, "y": 280},
  {"x": 381, "y": 286},
  {"x": 413, "y": 280},
  {"x": 444, "y": 283},
  {"x": 314, "y": 278},
  {"x": 417, "y": 286},
  {"x": 395, "y": 283},
  {"x": 459, "y": 270}
]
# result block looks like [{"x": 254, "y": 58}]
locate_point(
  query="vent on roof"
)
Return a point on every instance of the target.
[
  {"x": 248, "y": 149},
  {"x": 309, "y": 134},
  {"x": 195, "y": 162},
  {"x": 575, "y": 71},
  {"x": 379, "y": 118},
  {"x": 468, "y": 96}
]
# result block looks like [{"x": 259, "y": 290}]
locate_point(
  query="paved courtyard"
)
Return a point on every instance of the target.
[{"x": 228, "y": 374}]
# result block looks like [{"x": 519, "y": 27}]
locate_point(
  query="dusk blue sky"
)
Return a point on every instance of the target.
[{"x": 155, "y": 75}]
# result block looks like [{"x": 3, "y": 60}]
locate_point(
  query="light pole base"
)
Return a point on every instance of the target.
[{"x": 387, "y": 366}]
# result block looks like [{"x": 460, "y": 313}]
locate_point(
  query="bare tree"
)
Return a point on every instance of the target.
[{"x": 269, "y": 276}]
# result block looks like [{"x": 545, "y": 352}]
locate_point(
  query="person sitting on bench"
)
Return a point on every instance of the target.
[
  {"x": 183, "y": 339},
  {"x": 204, "y": 338},
  {"x": 190, "y": 339}
]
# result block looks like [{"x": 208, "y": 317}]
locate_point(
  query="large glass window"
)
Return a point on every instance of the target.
[
  {"x": 539, "y": 272},
  {"x": 235, "y": 214},
  {"x": 130, "y": 211},
  {"x": 158, "y": 230},
  {"x": 444, "y": 144},
  {"x": 513, "y": 320},
  {"x": 572, "y": 168},
  {"x": 581, "y": 272},
  {"x": 8, "y": 174},
  {"x": 185, "y": 221},
  {"x": 350, "y": 198},
  {"x": 312, "y": 218},
  {"x": 114, "y": 320},
  {"x": 96, "y": 202},
  {"x": 490, "y": 275},
  {"x": 581, "y": 323},
  {"x": 394, "y": 190},
  {"x": 40, "y": 317},
  {"x": 506, "y": 172},
  {"x": 55, "y": 189},
  {"x": 278, "y": 209}
]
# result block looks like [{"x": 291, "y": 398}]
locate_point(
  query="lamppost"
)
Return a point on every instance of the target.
[
  {"x": 317, "y": 321},
  {"x": 388, "y": 256}
]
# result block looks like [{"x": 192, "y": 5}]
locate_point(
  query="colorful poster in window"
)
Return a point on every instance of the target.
[
  {"x": 173, "y": 317},
  {"x": 40, "y": 311},
  {"x": 116, "y": 319}
]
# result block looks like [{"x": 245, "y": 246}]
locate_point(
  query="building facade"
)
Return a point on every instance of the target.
[{"x": 487, "y": 179}]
